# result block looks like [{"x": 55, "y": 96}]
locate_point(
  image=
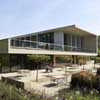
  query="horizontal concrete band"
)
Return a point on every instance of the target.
[{"x": 48, "y": 52}]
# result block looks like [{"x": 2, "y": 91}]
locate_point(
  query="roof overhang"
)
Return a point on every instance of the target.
[{"x": 70, "y": 30}]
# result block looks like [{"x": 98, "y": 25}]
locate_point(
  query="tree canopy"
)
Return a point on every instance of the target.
[{"x": 38, "y": 58}]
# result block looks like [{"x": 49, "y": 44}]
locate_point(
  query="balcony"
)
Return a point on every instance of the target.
[{"x": 26, "y": 44}]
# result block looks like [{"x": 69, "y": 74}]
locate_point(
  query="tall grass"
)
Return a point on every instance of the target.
[
  {"x": 8, "y": 92},
  {"x": 78, "y": 95}
]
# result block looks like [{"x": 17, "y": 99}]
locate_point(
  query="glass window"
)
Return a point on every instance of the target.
[
  {"x": 78, "y": 42},
  {"x": 17, "y": 43},
  {"x": 12, "y": 42},
  {"x": 27, "y": 37},
  {"x": 82, "y": 42},
  {"x": 33, "y": 37},
  {"x": 46, "y": 37},
  {"x": 73, "y": 41},
  {"x": 65, "y": 39}
]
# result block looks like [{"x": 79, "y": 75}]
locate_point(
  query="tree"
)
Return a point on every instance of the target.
[
  {"x": 4, "y": 61},
  {"x": 37, "y": 60},
  {"x": 64, "y": 59}
]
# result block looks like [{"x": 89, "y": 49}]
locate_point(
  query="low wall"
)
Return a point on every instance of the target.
[{"x": 12, "y": 81}]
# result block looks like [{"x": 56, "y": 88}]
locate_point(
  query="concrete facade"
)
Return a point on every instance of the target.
[{"x": 4, "y": 46}]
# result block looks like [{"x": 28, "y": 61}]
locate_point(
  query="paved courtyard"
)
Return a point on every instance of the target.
[{"x": 49, "y": 83}]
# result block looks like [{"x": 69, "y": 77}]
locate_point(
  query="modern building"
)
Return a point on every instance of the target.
[
  {"x": 98, "y": 41},
  {"x": 68, "y": 40}
]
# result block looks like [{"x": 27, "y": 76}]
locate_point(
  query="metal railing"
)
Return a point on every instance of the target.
[{"x": 48, "y": 46}]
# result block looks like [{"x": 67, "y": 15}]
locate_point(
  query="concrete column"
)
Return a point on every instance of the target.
[
  {"x": 74, "y": 59},
  {"x": 77, "y": 62},
  {"x": 83, "y": 63},
  {"x": 9, "y": 62},
  {"x": 54, "y": 60}
]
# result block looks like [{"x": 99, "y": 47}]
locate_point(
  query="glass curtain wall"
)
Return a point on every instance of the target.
[
  {"x": 46, "y": 37},
  {"x": 40, "y": 40},
  {"x": 72, "y": 42},
  {"x": 46, "y": 40},
  {"x": 23, "y": 41},
  {"x": 67, "y": 42}
]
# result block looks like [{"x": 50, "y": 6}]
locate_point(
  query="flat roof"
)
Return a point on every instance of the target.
[{"x": 69, "y": 29}]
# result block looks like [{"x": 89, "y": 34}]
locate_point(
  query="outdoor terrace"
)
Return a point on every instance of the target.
[{"x": 47, "y": 46}]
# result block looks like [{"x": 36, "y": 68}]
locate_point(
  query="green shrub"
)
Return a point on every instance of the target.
[
  {"x": 82, "y": 79},
  {"x": 86, "y": 80},
  {"x": 97, "y": 82}
]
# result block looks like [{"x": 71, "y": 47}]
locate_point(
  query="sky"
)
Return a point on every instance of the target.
[{"x": 28, "y": 16}]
